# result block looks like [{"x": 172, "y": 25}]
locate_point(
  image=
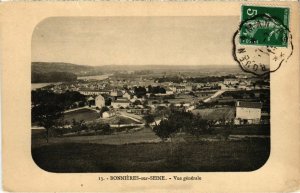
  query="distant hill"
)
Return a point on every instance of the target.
[
  {"x": 46, "y": 67},
  {"x": 42, "y": 72},
  {"x": 169, "y": 67},
  {"x": 40, "y": 77},
  {"x": 84, "y": 70}
]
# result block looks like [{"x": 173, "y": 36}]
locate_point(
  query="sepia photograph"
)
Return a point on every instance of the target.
[
  {"x": 150, "y": 96},
  {"x": 145, "y": 94}
]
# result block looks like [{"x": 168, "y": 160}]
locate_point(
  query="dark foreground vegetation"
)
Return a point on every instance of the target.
[
  {"x": 242, "y": 155},
  {"x": 47, "y": 107}
]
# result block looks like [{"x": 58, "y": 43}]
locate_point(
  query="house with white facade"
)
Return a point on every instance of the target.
[
  {"x": 231, "y": 81},
  {"x": 100, "y": 101},
  {"x": 120, "y": 102},
  {"x": 128, "y": 95},
  {"x": 169, "y": 91},
  {"x": 116, "y": 93},
  {"x": 178, "y": 88},
  {"x": 108, "y": 114},
  {"x": 248, "y": 112}
]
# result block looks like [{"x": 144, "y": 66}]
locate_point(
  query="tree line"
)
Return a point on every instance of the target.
[
  {"x": 82, "y": 128},
  {"x": 47, "y": 107},
  {"x": 177, "y": 120},
  {"x": 141, "y": 90},
  {"x": 176, "y": 79}
]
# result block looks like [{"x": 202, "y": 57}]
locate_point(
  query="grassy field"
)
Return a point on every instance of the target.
[
  {"x": 251, "y": 130},
  {"x": 144, "y": 135},
  {"x": 243, "y": 155},
  {"x": 90, "y": 115},
  {"x": 81, "y": 114},
  {"x": 216, "y": 113}
]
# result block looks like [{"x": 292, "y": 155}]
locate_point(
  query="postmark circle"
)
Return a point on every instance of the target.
[{"x": 262, "y": 44}]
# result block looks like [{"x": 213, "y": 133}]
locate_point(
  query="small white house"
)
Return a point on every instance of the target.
[
  {"x": 248, "y": 112},
  {"x": 231, "y": 81},
  {"x": 169, "y": 91},
  {"x": 108, "y": 114},
  {"x": 120, "y": 103},
  {"x": 116, "y": 93},
  {"x": 127, "y": 95},
  {"x": 99, "y": 101}
]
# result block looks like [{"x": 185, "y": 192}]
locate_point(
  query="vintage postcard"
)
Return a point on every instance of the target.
[{"x": 150, "y": 97}]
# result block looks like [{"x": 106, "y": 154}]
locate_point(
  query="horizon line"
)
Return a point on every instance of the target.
[{"x": 137, "y": 64}]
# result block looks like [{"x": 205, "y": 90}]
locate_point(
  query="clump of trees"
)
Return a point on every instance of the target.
[
  {"x": 100, "y": 128},
  {"x": 209, "y": 79},
  {"x": 78, "y": 126},
  {"x": 174, "y": 79},
  {"x": 47, "y": 108},
  {"x": 83, "y": 128},
  {"x": 47, "y": 115},
  {"x": 140, "y": 91},
  {"x": 149, "y": 119},
  {"x": 137, "y": 102},
  {"x": 181, "y": 121},
  {"x": 156, "y": 89},
  {"x": 103, "y": 109},
  {"x": 66, "y": 100}
]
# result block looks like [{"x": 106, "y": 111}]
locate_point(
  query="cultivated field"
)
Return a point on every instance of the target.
[
  {"x": 91, "y": 115},
  {"x": 216, "y": 113},
  {"x": 81, "y": 114},
  {"x": 118, "y": 120}
]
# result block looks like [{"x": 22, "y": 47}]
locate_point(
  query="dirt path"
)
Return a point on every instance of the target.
[
  {"x": 218, "y": 93},
  {"x": 85, "y": 107},
  {"x": 136, "y": 118},
  {"x": 130, "y": 118}
]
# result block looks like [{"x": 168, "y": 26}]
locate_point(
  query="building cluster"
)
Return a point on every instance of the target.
[
  {"x": 242, "y": 84},
  {"x": 121, "y": 94},
  {"x": 94, "y": 87}
]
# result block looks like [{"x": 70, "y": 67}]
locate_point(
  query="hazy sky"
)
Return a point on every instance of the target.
[{"x": 135, "y": 40}]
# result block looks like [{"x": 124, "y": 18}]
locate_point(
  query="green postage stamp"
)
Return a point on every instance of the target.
[
  {"x": 267, "y": 26},
  {"x": 263, "y": 41}
]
